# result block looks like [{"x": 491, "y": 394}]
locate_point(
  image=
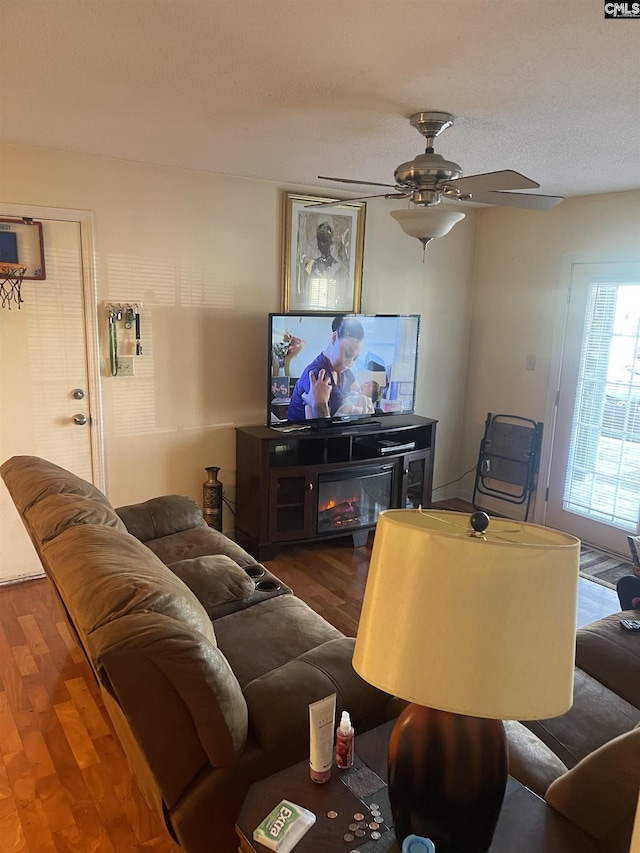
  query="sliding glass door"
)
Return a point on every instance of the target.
[{"x": 594, "y": 486}]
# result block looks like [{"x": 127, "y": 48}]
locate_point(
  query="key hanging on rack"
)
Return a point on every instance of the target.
[
  {"x": 113, "y": 341},
  {"x": 138, "y": 339}
]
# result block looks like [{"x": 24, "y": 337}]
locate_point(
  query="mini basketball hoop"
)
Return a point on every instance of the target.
[{"x": 11, "y": 276}]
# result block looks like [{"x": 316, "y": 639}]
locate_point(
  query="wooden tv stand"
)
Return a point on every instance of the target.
[{"x": 281, "y": 477}]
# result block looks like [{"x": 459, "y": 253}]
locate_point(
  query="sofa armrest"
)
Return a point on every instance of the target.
[
  {"x": 161, "y": 516},
  {"x": 179, "y": 695}
]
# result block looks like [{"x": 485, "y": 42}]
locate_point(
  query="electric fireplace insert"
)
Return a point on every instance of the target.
[{"x": 352, "y": 499}]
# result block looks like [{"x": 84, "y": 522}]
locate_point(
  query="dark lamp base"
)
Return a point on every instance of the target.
[{"x": 447, "y": 777}]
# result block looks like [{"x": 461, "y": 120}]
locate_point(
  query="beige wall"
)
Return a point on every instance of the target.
[
  {"x": 522, "y": 266},
  {"x": 201, "y": 252}
]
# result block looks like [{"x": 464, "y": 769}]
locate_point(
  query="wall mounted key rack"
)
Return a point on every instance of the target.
[{"x": 124, "y": 334}]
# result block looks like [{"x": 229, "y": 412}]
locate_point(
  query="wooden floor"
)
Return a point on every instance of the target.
[{"x": 65, "y": 786}]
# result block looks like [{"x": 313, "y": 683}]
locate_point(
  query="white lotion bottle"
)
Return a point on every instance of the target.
[
  {"x": 344, "y": 742},
  {"x": 322, "y": 716}
]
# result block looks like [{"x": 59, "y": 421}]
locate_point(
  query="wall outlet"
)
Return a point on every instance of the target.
[{"x": 126, "y": 366}]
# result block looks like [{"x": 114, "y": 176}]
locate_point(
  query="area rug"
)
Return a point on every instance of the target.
[{"x": 601, "y": 567}]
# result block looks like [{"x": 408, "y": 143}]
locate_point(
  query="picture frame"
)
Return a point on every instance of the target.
[
  {"x": 21, "y": 242},
  {"x": 322, "y": 254}
]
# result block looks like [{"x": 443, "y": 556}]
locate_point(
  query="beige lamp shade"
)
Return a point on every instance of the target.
[{"x": 482, "y": 625}]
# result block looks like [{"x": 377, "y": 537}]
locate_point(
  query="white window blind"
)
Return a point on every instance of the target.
[{"x": 603, "y": 474}]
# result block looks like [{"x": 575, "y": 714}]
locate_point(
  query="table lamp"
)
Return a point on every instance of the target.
[{"x": 473, "y": 622}]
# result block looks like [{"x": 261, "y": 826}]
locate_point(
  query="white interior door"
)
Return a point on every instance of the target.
[
  {"x": 49, "y": 402},
  {"x": 594, "y": 483}
]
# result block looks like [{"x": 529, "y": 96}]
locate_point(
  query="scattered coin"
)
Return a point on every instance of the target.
[
  {"x": 358, "y": 816},
  {"x": 332, "y": 814},
  {"x": 348, "y": 836},
  {"x": 362, "y": 824},
  {"x": 360, "y": 833},
  {"x": 353, "y": 827},
  {"x": 374, "y": 825},
  {"x": 376, "y": 815},
  {"x": 374, "y": 807},
  {"x": 376, "y": 835}
]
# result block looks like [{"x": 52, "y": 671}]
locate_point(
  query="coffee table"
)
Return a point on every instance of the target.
[{"x": 526, "y": 823}]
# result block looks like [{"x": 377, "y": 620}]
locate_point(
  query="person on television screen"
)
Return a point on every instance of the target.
[
  {"x": 362, "y": 400},
  {"x": 324, "y": 384}
]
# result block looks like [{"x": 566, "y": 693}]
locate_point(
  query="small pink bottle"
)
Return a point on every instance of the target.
[{"x": 344, "y": 742}]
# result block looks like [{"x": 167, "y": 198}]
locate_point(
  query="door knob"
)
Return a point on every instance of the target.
[
  {"x": 77, "y": 394},
  {"x": 80, "y": 420}
]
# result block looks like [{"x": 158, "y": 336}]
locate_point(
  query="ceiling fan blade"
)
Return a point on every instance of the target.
[
  {"x": 524, "y": 200},
  {"x": 506, "y": 179},
  {"x": 360, "y": 198},
  {"x": 362, "y": 183}
]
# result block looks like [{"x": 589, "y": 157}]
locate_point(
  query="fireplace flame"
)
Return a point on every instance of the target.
[{"x": 347, "y": 502}]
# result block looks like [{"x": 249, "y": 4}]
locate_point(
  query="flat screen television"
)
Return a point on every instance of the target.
[{"x": 367, "y": 363}]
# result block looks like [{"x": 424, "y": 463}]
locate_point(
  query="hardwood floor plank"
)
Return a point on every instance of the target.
[
  {"x": 36, "y": 831},
  {"x": 99, "y": 779},
  {"x": 37, "y": 754},
  {"x": 12, "y": 683},
  {"x": 89, "y": 712},
  {"x": 51, "y": 680},
  {"x": 5, "y": 787},
  {"x": 69, "y": 642},
  {"x": 63, "y": 758},
  {"x": 12, "y": 838},
  {"x": 87, "y": 835},
  {"x": 10, "y": 741},
  {"x": 56, "y": 804},
  {"x": 77, "y": 735},
  {"x": 25, "y": 660},
  {"x": 33, "y": 635}
]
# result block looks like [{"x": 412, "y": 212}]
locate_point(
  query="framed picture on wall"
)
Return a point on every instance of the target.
[{"x": 322, "y": 253}]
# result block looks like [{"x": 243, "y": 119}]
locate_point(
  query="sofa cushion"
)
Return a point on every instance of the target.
[
  {"x": 30, "y": 478},
  {"x": 217, "y": 582},
  {"x": 161, "y": 516},
  {"x": 278, "y": 701},
  {"x": 198, "y": 542},
  {"x": 601, "y": 792},
  {"x": 597, "y": 716},
  {"x": 611, "y": 655},
  {"x": 270, "y": 634},
  {"x": 52, "y": 514},
  {"x": 103, "y": 574}
]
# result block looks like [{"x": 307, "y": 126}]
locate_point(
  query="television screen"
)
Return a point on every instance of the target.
[{"x": 337, "y": 368}]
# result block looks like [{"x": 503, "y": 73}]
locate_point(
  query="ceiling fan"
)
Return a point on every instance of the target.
[{"x": 429, "y": 178}]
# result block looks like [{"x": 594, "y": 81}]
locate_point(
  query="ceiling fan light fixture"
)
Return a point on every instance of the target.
[{"x": 426, "y": 223}]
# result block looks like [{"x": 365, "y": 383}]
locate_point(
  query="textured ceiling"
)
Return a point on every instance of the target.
[{"x": 288, "y": 89}]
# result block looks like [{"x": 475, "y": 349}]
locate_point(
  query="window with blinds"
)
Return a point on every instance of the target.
[{"x": 603, "y": 475}]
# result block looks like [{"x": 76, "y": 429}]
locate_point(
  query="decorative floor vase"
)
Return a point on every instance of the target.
[{"x": 212, "y": 498}]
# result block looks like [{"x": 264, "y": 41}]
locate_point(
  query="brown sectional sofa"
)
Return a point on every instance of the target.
[{"x": 206, "y": 661}]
